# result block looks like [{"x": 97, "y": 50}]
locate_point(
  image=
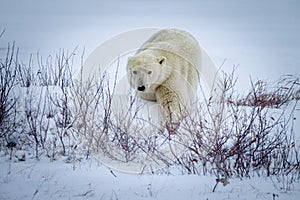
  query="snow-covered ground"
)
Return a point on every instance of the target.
[
  {"x": 262, "y": 37},
  {"x": 90, "y": 180}
]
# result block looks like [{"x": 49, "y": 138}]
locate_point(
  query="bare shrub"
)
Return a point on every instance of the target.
[
  {"x": 38, "y": 124},
  {"x": 8, "y": 99},
  {"x": 84, "y": 109},
  {"x": 230, "y": 135},
  {"x": 62, "y": 99},
  {"x": 272, "y": 95},
  {"x": 55, "y": 71},
  {"x": 119, "y": 135},
  {"x": 36, "y": 101},
  {"x": 246, "y": 136},
  {"x": 240, "y": 137}
]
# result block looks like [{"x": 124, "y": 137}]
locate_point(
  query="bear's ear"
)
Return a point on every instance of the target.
[{"x": 162, "y": 60}]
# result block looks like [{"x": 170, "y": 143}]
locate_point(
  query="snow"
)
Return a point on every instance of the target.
[
  {"x": 262, "y": 37},
  {"x": 91, "y": 180}
]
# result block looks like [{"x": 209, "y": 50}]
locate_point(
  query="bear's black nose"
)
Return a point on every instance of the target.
[{"x": 141, "y": 88}]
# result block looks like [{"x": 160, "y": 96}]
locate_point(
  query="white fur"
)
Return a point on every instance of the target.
[{"x": 168, "y": 66}]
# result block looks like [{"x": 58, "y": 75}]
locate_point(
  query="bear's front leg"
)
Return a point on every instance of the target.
[{"x": 172, "y": 108}]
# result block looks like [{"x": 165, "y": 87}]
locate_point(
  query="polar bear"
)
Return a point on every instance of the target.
[{"x": 166, "y": 69}]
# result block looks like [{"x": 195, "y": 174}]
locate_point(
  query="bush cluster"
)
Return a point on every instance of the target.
[{"x": 44, "y": 109}]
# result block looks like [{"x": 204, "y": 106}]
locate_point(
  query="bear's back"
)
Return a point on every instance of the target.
[
  {"x": 174, "y": 36},
  {"x": 177, "y": 42}
]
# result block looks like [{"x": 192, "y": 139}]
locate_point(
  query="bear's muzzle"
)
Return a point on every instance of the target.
[{"x": 141, "y": 88}]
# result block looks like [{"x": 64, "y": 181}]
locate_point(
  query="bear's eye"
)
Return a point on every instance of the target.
[
  {"x": 134, "y": 72},
  {"x": 149, "y": 72}
]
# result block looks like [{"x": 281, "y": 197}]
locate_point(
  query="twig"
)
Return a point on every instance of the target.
[{"x": 2, "y": 33}]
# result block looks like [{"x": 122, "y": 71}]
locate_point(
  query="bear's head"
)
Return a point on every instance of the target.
[{"x": 146, "y": 71}]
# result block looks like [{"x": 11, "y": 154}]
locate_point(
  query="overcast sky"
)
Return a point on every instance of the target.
[{"x": 261, "y": 36}]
